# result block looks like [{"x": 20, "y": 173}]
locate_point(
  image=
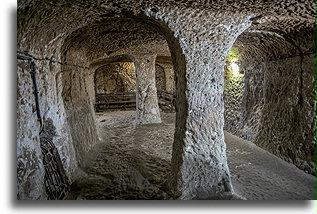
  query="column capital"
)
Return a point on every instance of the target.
[{"x": 141, "y": 57}]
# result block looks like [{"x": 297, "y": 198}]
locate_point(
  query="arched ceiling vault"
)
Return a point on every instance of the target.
[{"x": 101, "y": 32}]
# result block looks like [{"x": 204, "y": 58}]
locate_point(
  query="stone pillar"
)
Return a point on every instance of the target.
[
  {"x": 199, "y": 42},
  {"x": 169, "y": 76},
  {"x": 170, "y": 83},
  {"x": 147, "y": 108}
]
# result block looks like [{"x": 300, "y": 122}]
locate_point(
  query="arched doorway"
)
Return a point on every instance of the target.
[{"x": 122, "y": 140}]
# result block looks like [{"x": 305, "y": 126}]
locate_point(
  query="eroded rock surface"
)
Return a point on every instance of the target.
[
  {"x": 117, "y": 77},
  {"x": 69, "y": 41},
  {"x": 277, "y": 109}
]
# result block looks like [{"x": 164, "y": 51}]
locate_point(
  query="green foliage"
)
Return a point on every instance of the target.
[
  {"x": 233, "y": 55},
  {"x": 234, "y": 85}
]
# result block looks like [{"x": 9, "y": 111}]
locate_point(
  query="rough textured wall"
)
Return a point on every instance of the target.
[
  {"x": 30, "y": 167},
  {"x": 277, "y": 111},
  {"x": 287, "y": 125},
  {"x": 196, "y": 31},
  {"x": 116, "y": 77},
  {"x": 30, "y": 174},
  {"x": 252, "y": 101},
  {"x": 160, "y": 78},
  {"x": 243, "y": 97},
  {"x": 169, "y": 76},
  {"x": 78, "y": 101},
  {"x": 233, "y": 95}
]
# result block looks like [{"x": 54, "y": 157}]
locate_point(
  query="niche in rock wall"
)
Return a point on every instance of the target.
[{"x": 115, "y": 78}]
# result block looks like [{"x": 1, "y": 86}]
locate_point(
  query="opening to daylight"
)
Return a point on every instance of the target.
[{"x": 235, "y": 69}]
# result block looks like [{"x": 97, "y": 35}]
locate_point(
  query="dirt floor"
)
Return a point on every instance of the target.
[{"x": 132, "y": 162}]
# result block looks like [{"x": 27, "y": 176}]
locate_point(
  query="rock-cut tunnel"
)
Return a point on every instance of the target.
[{"x": 166, "y": 100}]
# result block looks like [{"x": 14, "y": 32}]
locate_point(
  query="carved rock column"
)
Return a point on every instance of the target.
[{"x": 147, "y": 108}]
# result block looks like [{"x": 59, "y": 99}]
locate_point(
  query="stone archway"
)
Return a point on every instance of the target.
[
  {"x": 198, "y": 141},
  {"x": 63, "y": 43},
  {"x": 199, "y": 150}
]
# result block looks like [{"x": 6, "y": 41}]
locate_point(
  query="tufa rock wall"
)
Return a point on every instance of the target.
[
  {"x": 199, "y": 35},
  {"x": 160, "y": 78},
  {"x": 116, "y": 77},
  {"x": 287, "y": 125},
  {"x": 277, "y": 110},
  {"x": 78, "y": 97},
  {"x": 29, "y": 155},
  {"x": 169, "y": 76}
]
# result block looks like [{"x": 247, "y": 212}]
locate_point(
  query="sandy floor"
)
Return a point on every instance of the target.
[
  {"x": 132, "y": 162},
  {"x": 258, "y": 175}
]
